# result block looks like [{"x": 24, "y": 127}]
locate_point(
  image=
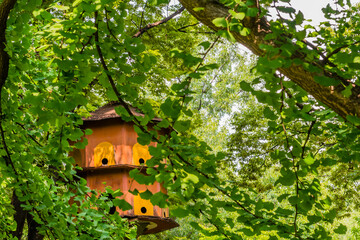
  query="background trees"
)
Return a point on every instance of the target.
[{"x": 254, "y": 151}]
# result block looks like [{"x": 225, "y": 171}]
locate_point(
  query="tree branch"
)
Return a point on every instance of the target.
[
  {"x": 190, "y": 25},
  {"x": 149, "y": 26},
  {"x": 5, "y": 8},
  {"x": 259, "y": 28}
]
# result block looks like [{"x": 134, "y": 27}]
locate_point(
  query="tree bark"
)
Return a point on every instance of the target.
[
  {"x": 5, "y": 8},
  {"x": 19, "y": 216},
  {"x": 33, "y": 233},
  {"x": 259, "y": 28}
]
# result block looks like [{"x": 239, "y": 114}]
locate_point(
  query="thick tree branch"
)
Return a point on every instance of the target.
[
  {"x": 259, "y": 28},
  {"x": 5, "y": 8},
  {"x": 149, "y": 26}
]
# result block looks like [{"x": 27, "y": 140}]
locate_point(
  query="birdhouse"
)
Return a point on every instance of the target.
[{"x": 112, "y": 152}]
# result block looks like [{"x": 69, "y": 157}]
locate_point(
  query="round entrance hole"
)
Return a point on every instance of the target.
[
  {"x": 104, "y": 161},
  {"x": 141, "y": 161},
  {"x": 143, "y": 209}
]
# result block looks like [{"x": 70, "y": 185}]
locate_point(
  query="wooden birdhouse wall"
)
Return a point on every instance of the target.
[{"x": 125, "y": 151}]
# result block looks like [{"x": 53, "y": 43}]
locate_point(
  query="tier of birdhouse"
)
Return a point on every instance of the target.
[{"x": 112, "y": 152}]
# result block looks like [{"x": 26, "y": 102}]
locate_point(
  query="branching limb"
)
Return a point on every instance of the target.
[
  {"x": 149, "y": 26},
  {"x": 307, "y": 138},
  {"x": 326, "y": 59},
  {"x": 295, "y": 165},
  {"x": 142, "y": 15},
  {"x": 187, "y": 26}
]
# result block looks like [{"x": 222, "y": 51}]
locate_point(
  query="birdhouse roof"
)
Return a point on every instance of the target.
[{"x": 108, "y": 112}]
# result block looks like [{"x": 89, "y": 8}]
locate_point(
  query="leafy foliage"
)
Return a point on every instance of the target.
[{"x": 290, "y": 162}]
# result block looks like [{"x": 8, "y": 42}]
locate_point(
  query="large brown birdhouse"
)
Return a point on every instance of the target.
[{"x": 112, "y": 152}]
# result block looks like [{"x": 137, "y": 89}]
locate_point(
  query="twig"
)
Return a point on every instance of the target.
[
  {"x": 108, "y": 27},
  {"x": 188, "y": 79},
  {"x": 307, "y": 138},
  {"x": 295, "y": 166},
  {"x": 326, "y": 59},
  {"x": 142, "y": 15},
  {"x": 210, "y": 221},
  {"x": 190, "y": 25},
  {"x": 84, "y": 45},
  {"x": 7, "y": 158},
  {"x": 149, "y": 26},
  {"x": 32, "y": 138},
  {"x": 203, "y": 90}
]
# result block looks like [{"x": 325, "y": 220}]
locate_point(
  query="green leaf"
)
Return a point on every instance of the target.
[
  {"x": 171, "y": 108},
  {"x": 220, "y": 22},
  {"x": 300, "y": 35},
  {"x": 252, "y": 12},
  {"x": 299, "y": 19},
  {"x": 227, "y": 35},
  {"x": 268, "y": 113},
  {"x": 163, "y": 124},
  {"x": 157, "y": 2},
  {"x": 144, "y": 138},
  {"x": 122, "y": 204},
  {"x": 331, "y": 215},
  {"x": 347, "y": 92},
  {"x": 309, "y": 160},
  {"x": 326, "y": 81},
  {"x": 82, "y": 144},
  {"x": 77, "y": 2},
  {"x": 159, "y": 199},
  {"x": 182, "y": 126},
  {"x": 205, "y": 44},
  {"x": 191, "y": 177},
  {"x": 146, "y": 195},
  {"x": 208, "y": 67},
  {"x": 179, "y": 212},
  {"x": 237, "y": 15},
  {"x": 286, "y": 9},
  {"x": 198, "y": 9},
  {"x": 139, "y": 79},
  {"x": 341, "y": 229},
  {"x": 88, "y": 131},
  {"x": 245, "y": 86},
  {"x": 247, "y": 232},
  {"x": 293, "y": 200},
  {"x": 313, "y": 219},
  {"x": 353, "y": 119},
  {"x": 244, "y": 31}
]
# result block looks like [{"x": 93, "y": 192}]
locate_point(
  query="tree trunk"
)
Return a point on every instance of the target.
[
  {"x": 19, "y": 216},
  {"x": 33, "y": 233},
  {"x": 5, "y": 8}
]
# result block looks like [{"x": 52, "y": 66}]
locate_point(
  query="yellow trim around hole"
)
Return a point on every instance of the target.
[
  {"x": 104, "y": 150},
  {"x": 140, "y": 151},
  {"x": 142, "y": 203}
]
